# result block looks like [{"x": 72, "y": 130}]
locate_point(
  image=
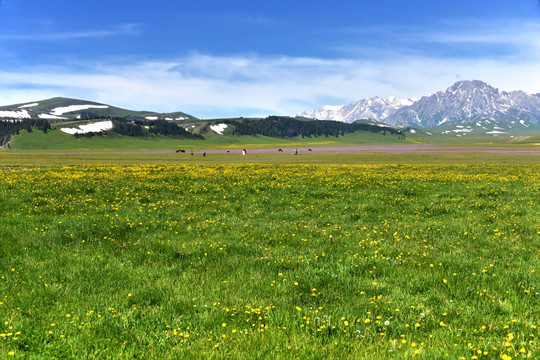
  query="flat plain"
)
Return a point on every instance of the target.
[{"x": 329, "y": 254}]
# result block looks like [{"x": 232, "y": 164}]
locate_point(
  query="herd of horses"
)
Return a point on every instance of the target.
[{"x": 182, "y": 151}]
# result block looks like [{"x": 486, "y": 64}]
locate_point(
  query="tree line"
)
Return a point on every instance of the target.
[
  {"x": 141, "y": 128},
  {"x": 158, "y": 127},
  {"x": 8, "y": 128},
  {"x": 287, "y": 127}
]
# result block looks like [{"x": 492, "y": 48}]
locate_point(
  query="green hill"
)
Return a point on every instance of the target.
[{"x": 59, "y": 108}]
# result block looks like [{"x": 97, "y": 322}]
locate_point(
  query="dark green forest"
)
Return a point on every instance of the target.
[
  {"x": 138, "y": 128},
  {"x": 10, "y": 128},
  {"x": 287, "y": 127}
]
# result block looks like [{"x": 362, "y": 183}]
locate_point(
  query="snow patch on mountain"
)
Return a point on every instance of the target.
[
  {"x": 23, "y": 114},
  {"x": 93, "y": 127},
  {"x": 219, "y": 128},
  {"x": 72, "y": 108},
  {"x": 486, "y": 127},
  {"x": 28, "y": 105}
]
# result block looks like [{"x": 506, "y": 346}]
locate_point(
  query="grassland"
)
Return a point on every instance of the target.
[{"x": 269, "y": 256}]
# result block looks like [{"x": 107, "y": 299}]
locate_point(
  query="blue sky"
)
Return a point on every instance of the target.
[{"x": 214, "y": 58}]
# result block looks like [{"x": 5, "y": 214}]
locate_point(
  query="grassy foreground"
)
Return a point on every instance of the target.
[{"x": 269, "y": 261}]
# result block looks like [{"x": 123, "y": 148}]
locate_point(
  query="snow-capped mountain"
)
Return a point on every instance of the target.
[
  {"x": 463, "y": 102},
  {"x": 467, "y": 101},
  {"x": 370, "y": 108}
]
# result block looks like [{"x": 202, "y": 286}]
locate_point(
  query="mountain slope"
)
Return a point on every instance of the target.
[
  {"x": 60, "y": 108},
  {"x": 484, "y": 128}
]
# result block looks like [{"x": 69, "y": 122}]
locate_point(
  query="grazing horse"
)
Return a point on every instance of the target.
[
  {"x": 309, "y": 150},
  {"x": 180, "y": 151},
  {"x": 280, "y": 150}
]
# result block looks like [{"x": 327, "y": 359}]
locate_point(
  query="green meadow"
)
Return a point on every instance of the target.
[{"x": 361, "y": 255}]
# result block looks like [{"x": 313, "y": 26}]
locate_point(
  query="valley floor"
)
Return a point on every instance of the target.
[{"x": 351, "y": 154}]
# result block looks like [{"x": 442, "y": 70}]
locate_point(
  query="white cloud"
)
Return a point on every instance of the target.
[{"x": 208, "y": 86}]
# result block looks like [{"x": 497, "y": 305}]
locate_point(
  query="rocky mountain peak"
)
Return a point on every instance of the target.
[
  {"x": 468, "y": 85},
  {"x": 464, "y": 101}
]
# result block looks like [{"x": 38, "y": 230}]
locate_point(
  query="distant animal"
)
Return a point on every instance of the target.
[
  {"x": 228, "y": 151},
  {"x": 180, "y": 151},
  {"x": 280, "y": 150},
  {"x": 309, "y": 150}
]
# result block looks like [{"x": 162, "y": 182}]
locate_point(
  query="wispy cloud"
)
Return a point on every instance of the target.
[
  {"x": 500, "y": 32},
  {"x": 124, "y": 29},
  {"x": 461, "y": 38}
]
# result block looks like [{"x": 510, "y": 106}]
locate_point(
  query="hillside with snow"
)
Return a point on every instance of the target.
[
  {"x": 481, "y": 129},
  {"x": 61, "y": 109}
]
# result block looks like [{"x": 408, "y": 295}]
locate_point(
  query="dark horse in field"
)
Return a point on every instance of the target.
[{"x": 180, "y": 151}]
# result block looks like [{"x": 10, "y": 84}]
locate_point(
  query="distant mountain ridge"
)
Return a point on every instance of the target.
[
  {"x": 60, "y": 108},
  {"x": 370, "y": 108},
  {"x": 463, "y": 102}
]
